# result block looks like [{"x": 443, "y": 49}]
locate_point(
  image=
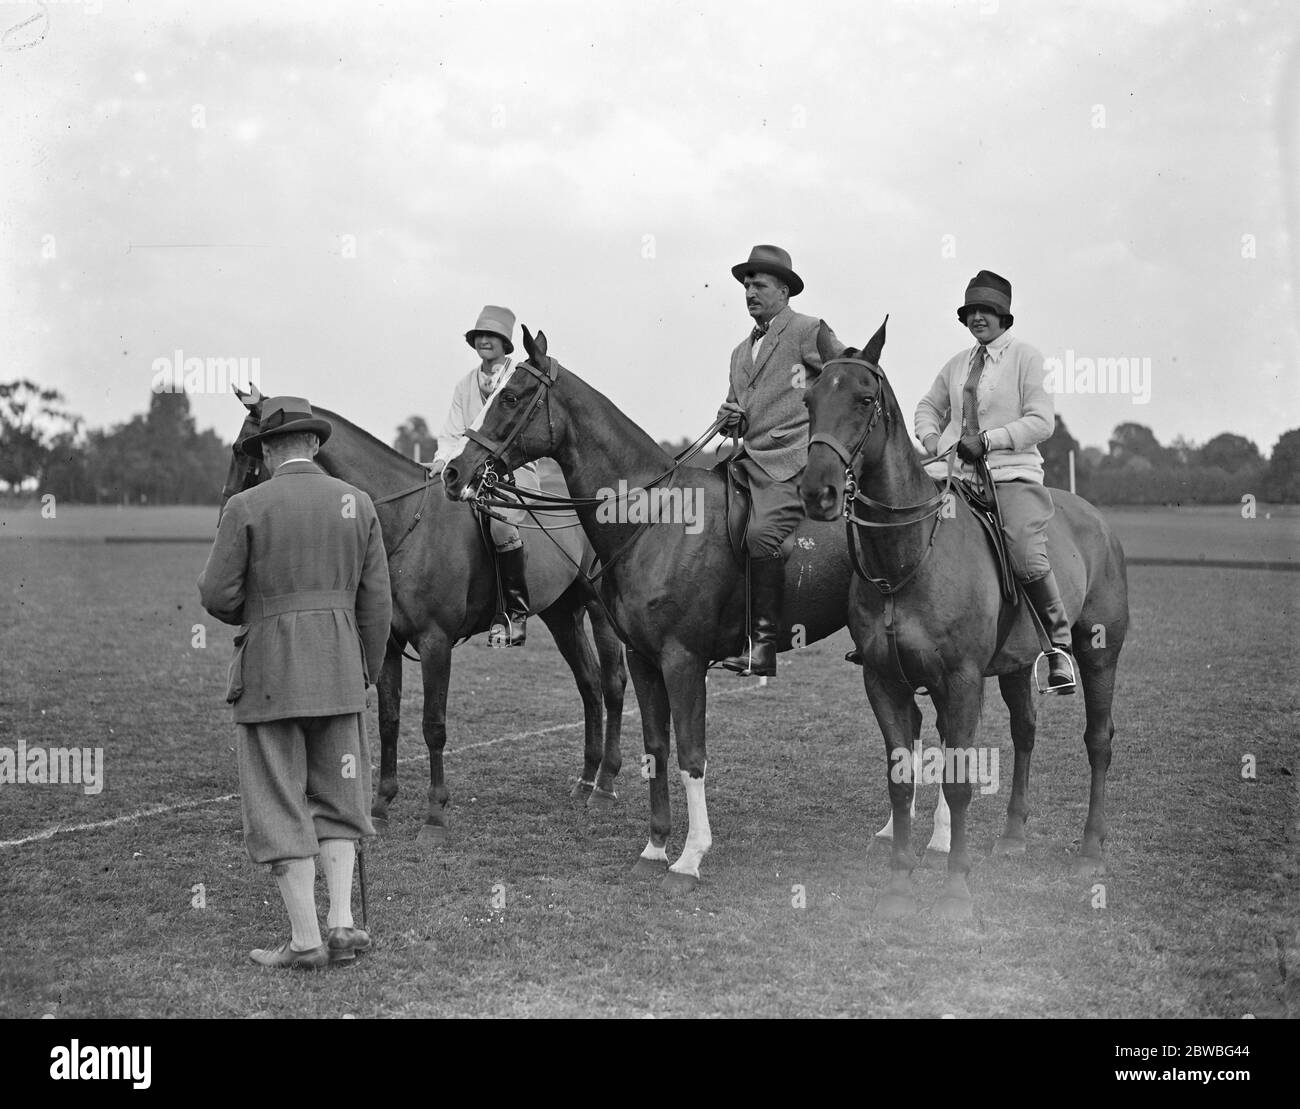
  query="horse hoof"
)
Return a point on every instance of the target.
[
  {"x": 603, "y": 800},
  {"x": 580, "y": 790},
  {"x": 381, "y": 825},
  {"x": 432, "y": 835},
  {"x": 1085, "y": 866},
  {"x": 649, "y": 868},
  {"x": 677, "y": 883},
  {"x": 895, "y": 906},
  {"x": 1008, "y": 847},
  {"x": 951, "y": 907}
]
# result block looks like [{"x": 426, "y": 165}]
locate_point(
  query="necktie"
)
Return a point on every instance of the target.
[
  {"x": 970, "y": 417},
  {"x": 758, "y": 333}
]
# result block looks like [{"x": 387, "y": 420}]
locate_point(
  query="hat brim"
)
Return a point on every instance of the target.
[
  {"x": 252, "y": 446},
  {"x": 789, "y": 277},
  {"x": 1003, "y": 313},
  {"x": 505, "y": 339}
]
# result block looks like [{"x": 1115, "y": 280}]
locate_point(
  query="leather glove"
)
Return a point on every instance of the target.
[
  {"x": 735, "y": 417},
  {"x": 971, "y": 447}
]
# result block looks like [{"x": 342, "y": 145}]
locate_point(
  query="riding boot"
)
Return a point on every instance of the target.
[
  {"x": 514, "y": 588},
  {"x": 1046, "y": 599},
  {"x": 767, "y": 595}
]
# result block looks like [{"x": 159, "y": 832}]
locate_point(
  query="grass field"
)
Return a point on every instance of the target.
[{"x": 531, "y": 910}]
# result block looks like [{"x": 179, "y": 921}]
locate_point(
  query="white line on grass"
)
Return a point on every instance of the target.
[{"x": 162, "y": 810}]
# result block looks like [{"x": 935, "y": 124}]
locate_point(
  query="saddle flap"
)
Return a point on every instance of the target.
[{"x": 984, "y": 507}]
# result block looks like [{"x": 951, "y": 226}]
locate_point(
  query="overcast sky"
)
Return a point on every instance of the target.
[{"x": 336, "y": 189}]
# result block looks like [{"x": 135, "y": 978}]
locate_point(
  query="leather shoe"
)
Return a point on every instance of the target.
[
  {"x": 345, "y": 944},
  {"x": 285, "y": 957}
]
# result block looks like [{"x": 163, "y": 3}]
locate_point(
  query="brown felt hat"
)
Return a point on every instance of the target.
[
  {"x": 773, "y": 260},
  {"x": 281, "y": 415}
]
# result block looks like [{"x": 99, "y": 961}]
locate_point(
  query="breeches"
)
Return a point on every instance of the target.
[
  {"x": 1026, "y": 507},
  {"x": 301, "y": 781},
  {"x": 775, "y": 510},
  {"x": 505, "y": 536}
]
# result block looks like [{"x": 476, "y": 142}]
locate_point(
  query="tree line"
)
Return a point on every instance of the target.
[{"x": 158, "y": 457}]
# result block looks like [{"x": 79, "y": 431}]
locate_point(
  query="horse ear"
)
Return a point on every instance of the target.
[
  {"x": 871, "y": 352},
  {"x": 249, "y": 400},
  {"x": 824, "y": 346},
  {"x": 541, "y": 343},
  {"x": 529, "y": 347}
]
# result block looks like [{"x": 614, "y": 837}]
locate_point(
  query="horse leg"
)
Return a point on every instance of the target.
[
  {"x": 435, "y": 667},
  {"x": 1022, "y": 702},
  {"x": 613, "y": 684},
  {"x": 887, "y": 832},
  {"x": 652, "y": 695},
  {"x": 1098, "y": 674},
  {"x": 959, "y": 701},
  {"x": 900, "y": 721},
  {"x": 564, "y": 619},
  {"x": 684, "y": 679},
  {"x": 390, "y": 725}
]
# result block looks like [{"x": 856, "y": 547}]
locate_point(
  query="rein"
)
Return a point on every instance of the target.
[{"x": 419, "y": 513}]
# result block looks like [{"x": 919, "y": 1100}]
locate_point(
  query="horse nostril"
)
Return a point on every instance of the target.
[{"x": 449, "y": 476}]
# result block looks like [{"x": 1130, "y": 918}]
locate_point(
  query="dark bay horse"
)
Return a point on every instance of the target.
[
  {"x": 444, "y": 591},
  {"x": 674, "y": 587},
  {"x": 938, "y": 590}
]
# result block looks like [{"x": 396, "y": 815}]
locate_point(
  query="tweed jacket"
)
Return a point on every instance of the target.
[
  {"x": 1014, "y": 408},
  {"x": 467, "y": 405},
  {"x": 771, "y": 391},
  {"x": 299, "y": 564}
]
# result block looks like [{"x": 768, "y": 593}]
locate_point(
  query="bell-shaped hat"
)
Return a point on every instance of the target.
[
  {"x": 497, "y": 321},
  {"x": 988, "y": 289}
]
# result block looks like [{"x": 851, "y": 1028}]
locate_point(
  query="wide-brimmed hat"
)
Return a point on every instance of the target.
[
  {"x": 986, "y": 288},
  {"x": 281, "y": 415},
  {"x": 497, "y": 321},
  {"x": 773, "y": 260}
]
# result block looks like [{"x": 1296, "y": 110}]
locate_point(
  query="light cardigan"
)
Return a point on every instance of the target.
[{"x": 1014, "y": 408}]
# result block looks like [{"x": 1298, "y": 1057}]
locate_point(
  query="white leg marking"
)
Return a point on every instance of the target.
[
  {"x": 887, "y": 832},
  {"x": 658, "y": 854},
  {"x": 698, "y": 839},
  {"x": 941, "y": 837}
]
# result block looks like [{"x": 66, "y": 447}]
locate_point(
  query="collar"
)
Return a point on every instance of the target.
[
  {"x": 777, "y": 322},
  {"x": 297, "y": 466},
  {"x": 993, "y": 350}
]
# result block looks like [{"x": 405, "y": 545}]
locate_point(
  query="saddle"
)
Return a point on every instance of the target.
[
  {"x": 737, "y": 508},
  {"x": 983, "y": 504}
]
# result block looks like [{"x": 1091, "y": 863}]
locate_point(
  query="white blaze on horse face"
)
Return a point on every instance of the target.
[
  {"x": 698, "y": 839},
  {"x": 658, "y": 854}
]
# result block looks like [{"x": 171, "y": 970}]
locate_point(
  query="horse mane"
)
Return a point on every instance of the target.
[
  {"x": 636, "y": 427},
  {"x": 335, "y": 418}
]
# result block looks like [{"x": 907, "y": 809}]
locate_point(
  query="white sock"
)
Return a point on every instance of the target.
[
  {"x": 336, "y": 857},
  {"x": 297, "y": 881}
]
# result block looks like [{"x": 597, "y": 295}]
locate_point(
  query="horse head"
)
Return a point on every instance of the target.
[
  {"x": 508, "y": 434},
  {"x": 849, "y": 407},
  {"x": 245, "y": 471}
]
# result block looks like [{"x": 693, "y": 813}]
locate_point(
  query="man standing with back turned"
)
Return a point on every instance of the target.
[
  {"x": 299, "y": 562},
  {"x": 770, "y": 370}
]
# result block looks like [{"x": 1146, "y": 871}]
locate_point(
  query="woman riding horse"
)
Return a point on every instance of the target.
[
  {"x": 990, "y": 401},
  {"x": 491, "y": 339}
]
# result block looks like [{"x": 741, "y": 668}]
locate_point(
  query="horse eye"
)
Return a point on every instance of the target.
[{"x": 509, "y": 399}]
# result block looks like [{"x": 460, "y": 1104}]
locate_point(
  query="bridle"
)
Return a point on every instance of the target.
[
  {"x": 932, "y": 506},
  {"x": 488, "y": 479}
]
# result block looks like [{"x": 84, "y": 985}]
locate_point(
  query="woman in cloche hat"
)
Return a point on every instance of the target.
[
  {"x": 990, "y": 402},
  {"x": 490, "y": 338}
]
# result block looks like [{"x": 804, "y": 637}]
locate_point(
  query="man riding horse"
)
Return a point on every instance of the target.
[
  {"x": 990, "y": 401},
  {"x": 770, "y": 370}
]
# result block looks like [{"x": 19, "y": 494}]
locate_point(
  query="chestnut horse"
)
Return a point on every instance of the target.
[
  {"x": 932, "y": 614},
  {"x": 444, "y": 591},
  {"x": 674, "y": 587}
]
